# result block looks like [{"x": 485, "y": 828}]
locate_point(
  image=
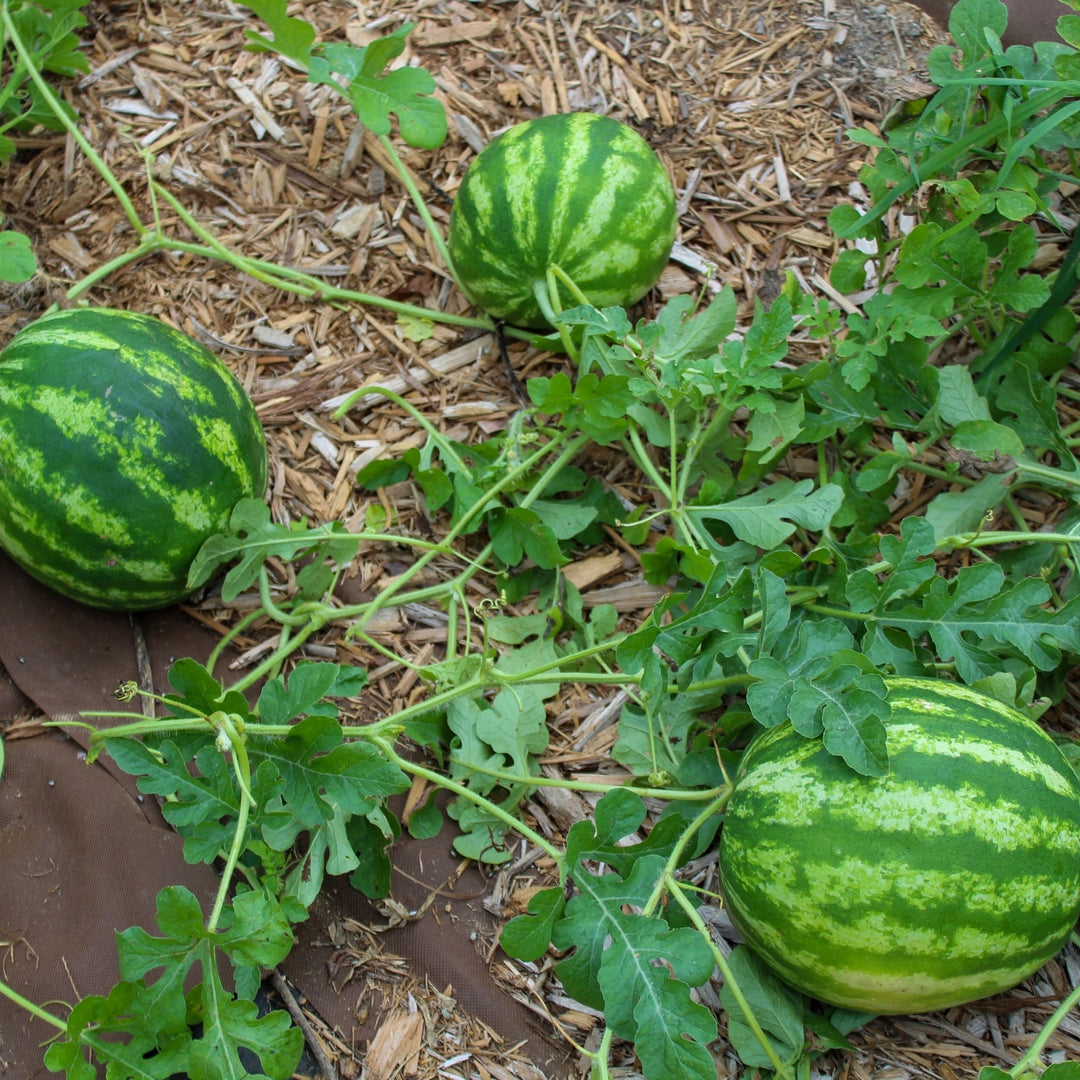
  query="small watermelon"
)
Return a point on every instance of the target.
[
  {"x": 581, "y": 191},
  {"x": 123, "y": 446},
  {"x": 955, "y": 876}
]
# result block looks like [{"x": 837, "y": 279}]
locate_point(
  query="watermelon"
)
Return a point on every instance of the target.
[
  {"x": 577, "y": 190},
  {"x": 955, "y": 876},
  {"x": 123, "y": 446}
]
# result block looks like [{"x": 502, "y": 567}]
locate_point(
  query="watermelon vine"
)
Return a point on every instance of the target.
[{"x": 789, "y": 605}]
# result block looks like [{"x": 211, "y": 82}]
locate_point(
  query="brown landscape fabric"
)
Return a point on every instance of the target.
[{"x": 746, "y": 102}]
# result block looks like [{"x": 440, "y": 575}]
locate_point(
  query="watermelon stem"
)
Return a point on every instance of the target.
[
  {"x": 730, "y": 982},
  {"x": 441, "y": 781},
  {"x": 30, "y": 1007},
  {"x": 433, "y": 229},
  {"x": 547, "y": 299},
  {"x": 1033, "y": 1052},
  {"x": 233, "y": 737},
  {"x": 555, "y": 270}
]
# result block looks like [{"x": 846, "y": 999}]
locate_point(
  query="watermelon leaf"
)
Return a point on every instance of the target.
[
  {"x": 909, "y": 568},
  {"x": 293, "y": 38},
  {"x": 528, "y": 937},
  {"x": 322, "y": 773},
  {"x": 253, "y": 538},
  {"x": 805, "y": 657},
  {"x": 17, "y": 261},
  {"x": 1062, "y": 1070},
  {"x": 825, "y": 689},
  {"x": 675, "y": 1029},
  {"x": 517, "y": 532},
  {"x": 638, "y": 969},
  {"x": 977, "y": 615},
  {"x": 258, "y": 934},
  {"x": 309, "y": 685},
  {"x": 376, "y": 94},
  {"x": 777, "y": 1009},
  {"x": 359, "y": 74},
  {"x": 766, "y": 518}
]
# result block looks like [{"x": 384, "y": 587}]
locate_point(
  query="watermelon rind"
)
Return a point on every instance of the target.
[
  {"x": 953, "y": 877},
  {"x": 124, "y": 444},
  {"x": 581, "y": 191}
]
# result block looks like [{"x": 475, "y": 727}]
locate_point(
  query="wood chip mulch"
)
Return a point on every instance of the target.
[{"x": 746, "y": 101}]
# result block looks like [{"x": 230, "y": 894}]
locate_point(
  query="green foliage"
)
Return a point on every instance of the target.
[
  {"x": 17, "y": 261},
  {"x": 253, "y": 538},
  {"x": 47, "y": 30},
  {"x": 786, "y": 597},
  {"x": 361, "y": 75}
]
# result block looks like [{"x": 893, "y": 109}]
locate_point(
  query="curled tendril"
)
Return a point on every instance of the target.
[
  {"x": 489, "y": 604},
  {"x": 126, "y": 691}
]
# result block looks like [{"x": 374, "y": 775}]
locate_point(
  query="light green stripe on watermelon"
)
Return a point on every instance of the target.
[
  {"x": 954, "y": 876},
  {"x": 576, "y": 190},
  {"x": 123, "y": 445}
]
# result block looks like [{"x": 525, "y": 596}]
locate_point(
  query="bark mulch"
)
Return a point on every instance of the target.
[{"x": 746, "y": 102}]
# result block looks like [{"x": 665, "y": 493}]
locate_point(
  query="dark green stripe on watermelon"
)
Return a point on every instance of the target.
[
  {"x": 578, "y": 190},
  {"x": 123, "y": 445},
  {"x": 954, "y": 877}
]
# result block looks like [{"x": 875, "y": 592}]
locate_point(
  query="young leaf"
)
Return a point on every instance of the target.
[
  {"x": 969, "y": 21},
  {"x": 309, "y": 685},
  {"x": 515, "y": 726},
  {"x": 814, "y": 646},
  {"x": 376, "y": 94},
  {"x": 1060, "y": 1070},
  {"x": 685, "y": 336},
  {"x": 851, "y": 708},
  {"x": 910, "y": 568},
  {"x": 516, "y": 532},
  {"x": 293, "y": 37}
]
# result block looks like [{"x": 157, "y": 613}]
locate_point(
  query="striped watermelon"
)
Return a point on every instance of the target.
[
  {"x": 578, "y": 190},
  {"x": 123, "y": 446},
  {"x": 955, "y": 876}
]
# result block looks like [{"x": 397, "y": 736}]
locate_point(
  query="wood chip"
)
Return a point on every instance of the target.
[{"x": 396, "y": 1046}]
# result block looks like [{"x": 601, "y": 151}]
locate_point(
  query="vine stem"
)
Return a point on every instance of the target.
[
  {"x": 729, "y": 981},
  {"x": 664, "y": 794},
  {"x": 668, "y": 881},
  {"x": 234, "y": 738},
  {"x": 30, "y": 1007},
  {"x": 1031, "y": 1055},
  {"x": 421, "y": 206},
  {"x": 494, "y": 809},
  {"x": 69, "y": 124}
]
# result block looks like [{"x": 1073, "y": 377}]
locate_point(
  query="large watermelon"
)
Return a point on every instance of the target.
[
  {"x": 955, "y": 876},
  {"x": 578, "y": 190},
  {"x": 123, "y": 446}
]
